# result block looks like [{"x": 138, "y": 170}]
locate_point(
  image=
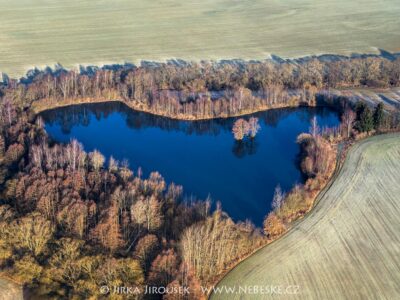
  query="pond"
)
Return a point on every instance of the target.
[{"x": 202, "y": 156}]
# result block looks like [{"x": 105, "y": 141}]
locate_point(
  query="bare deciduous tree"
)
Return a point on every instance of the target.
[
  {"x": 240, "y": 129},
  {"x": 278, "y": 199},
  {"x": 147, "y": 213},
  {"x": 348, "y": 119},
  {"x": 96, "y": 159},
  {"x": 254, "y": 127}
]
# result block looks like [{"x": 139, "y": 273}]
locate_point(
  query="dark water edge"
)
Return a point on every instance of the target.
[{"x": 202, "y": 156}]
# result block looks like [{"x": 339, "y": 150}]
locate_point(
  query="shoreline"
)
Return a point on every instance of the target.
[
  {"x": 41, "y": 106},
  {"x": 353, "y": 95}
]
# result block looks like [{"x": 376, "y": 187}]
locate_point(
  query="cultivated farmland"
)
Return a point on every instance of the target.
[
  {"x": 348, "y": 247},
  {"x": 39, "y": 33}
]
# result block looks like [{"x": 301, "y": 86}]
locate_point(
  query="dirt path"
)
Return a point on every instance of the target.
[{"x": 348, "y": 247}]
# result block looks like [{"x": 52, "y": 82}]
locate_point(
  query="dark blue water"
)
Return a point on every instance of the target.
[{"x": 201, "y": 156}]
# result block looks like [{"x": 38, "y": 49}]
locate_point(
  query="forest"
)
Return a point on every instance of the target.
[{"x": 70, "y": 222}]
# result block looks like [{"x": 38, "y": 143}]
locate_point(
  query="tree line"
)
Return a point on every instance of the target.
[{"x": 206, "y": 90}]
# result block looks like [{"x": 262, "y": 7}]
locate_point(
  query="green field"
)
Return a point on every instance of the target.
[
  {"x": 43, "y": 32},
  {"x": 348, "y": 247}
]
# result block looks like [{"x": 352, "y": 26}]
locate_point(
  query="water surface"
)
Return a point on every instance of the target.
[{"x": 201, "y": 156}]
